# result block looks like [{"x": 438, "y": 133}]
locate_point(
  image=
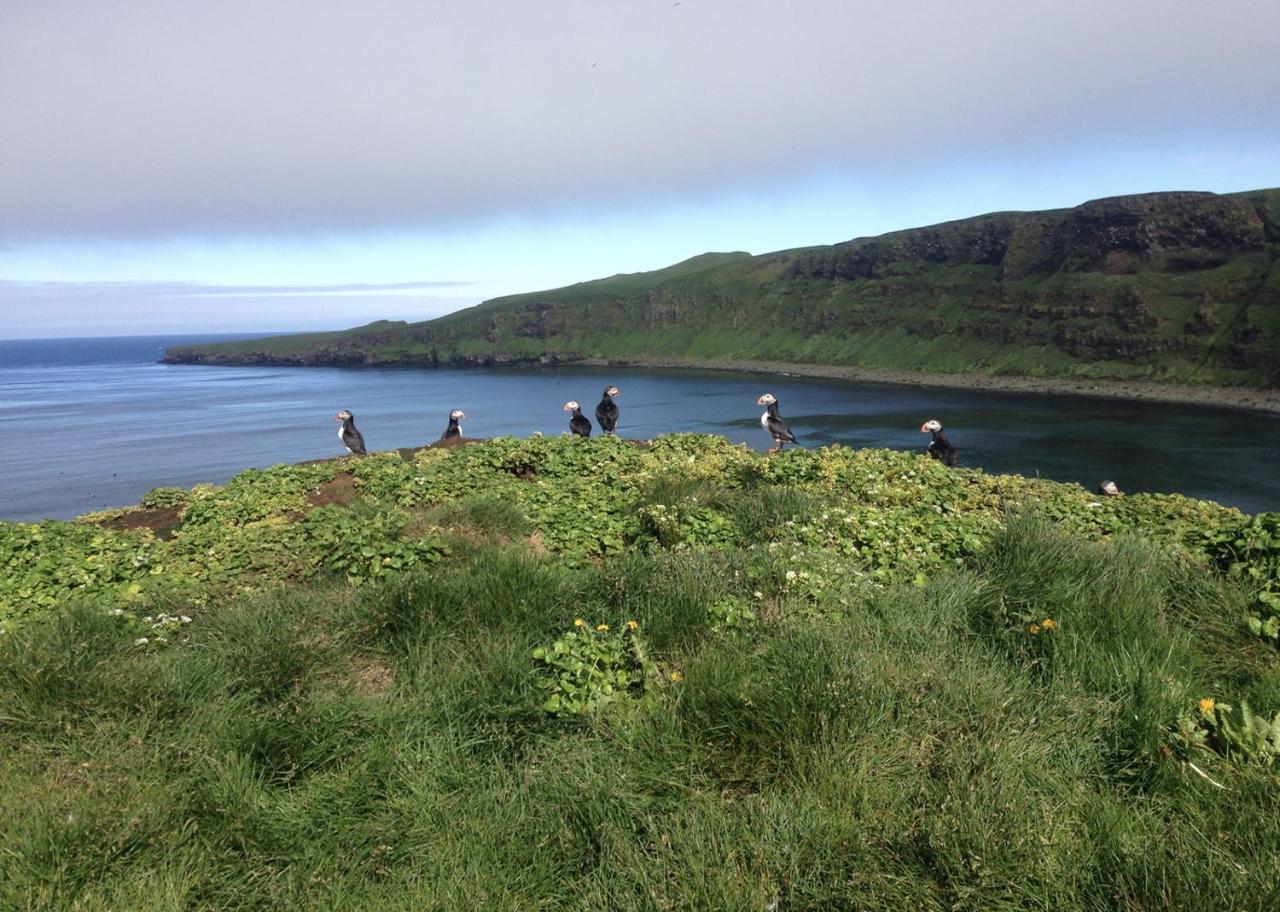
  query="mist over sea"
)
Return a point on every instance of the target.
[{"x": 96, "y": 423}]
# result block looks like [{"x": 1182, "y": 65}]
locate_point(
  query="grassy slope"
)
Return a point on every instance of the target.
[
  {"x": 848, "y": 708},
  {"x": 1175, "y": 288}
]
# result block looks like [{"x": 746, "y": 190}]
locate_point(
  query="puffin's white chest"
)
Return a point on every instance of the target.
[
  {"x": 764, "y": 421},
  {"x": 341, "y": 436}
]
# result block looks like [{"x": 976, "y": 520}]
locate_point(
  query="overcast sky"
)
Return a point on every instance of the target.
[{"x": 263, "y": 165}]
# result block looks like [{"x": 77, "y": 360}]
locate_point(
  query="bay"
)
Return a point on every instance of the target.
[{"x": 96, "y": 423}]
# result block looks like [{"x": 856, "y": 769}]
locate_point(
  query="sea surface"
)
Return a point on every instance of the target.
[{"x": 96, "y": 423}]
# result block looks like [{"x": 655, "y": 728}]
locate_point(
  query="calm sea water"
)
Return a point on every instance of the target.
[{"x": 96, "y": 423}]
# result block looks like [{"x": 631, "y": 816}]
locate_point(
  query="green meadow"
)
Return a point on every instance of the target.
[{"x": 557, "y": 673}]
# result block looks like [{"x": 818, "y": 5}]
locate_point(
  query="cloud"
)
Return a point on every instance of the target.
[
  {"x": 46, "y": 309},
  {"x": 146, "y": 118}
]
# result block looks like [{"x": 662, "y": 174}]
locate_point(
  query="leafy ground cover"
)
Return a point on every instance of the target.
[{"x": 597, "y": 674}]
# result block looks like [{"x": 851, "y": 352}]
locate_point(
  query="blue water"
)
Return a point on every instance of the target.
[{"x": 96, "y": 423}]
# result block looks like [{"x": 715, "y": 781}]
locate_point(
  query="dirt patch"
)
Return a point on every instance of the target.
[
  {"x": 340, "y": 490},
  {"x": 163, "y": 521},
  {"x": 373, "y": 678}
]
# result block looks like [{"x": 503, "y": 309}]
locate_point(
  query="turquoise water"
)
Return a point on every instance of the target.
[{"x": 96, "y": 423}]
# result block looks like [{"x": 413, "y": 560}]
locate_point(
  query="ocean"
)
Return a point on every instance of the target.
[{"x": 96, "y": 423}]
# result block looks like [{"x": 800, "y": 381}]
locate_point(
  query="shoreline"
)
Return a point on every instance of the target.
[{"x": 1248, "y": 399}]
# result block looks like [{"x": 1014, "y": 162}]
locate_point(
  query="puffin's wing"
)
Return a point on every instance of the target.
[
  {"x": 356, "y": 442},
  {"x": 606, "y": 415},
  {"x": 778, "y": 428}
]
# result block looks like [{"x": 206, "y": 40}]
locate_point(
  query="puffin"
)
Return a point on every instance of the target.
[
  {"x": 773, "y": 423},
  {"x": 1109, "y": 489},
  {"x": 607, "y": 411},
  {"x": 940, "y": 448},
  {"x": 454, "y": 430},
  {"x": 578, "y": 423},
  {"x": 352, "y": 439}
]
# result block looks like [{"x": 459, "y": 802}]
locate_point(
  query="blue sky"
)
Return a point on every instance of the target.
[{"x": 282, "y": 166}]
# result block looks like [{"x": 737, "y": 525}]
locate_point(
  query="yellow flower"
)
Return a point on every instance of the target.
[
  {"x": 603, "y": 628},
  {"x": 1207, "y": 705},
  {"x": 1034, "y": 628},
  {"x": 677, "y": 676},
  {"x": 579, "y": 622},
  {"x": 632, "y": 625},
  {"x": 1049, "y": 624}
]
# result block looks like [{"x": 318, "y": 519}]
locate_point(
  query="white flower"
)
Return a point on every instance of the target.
[
  {"x": 147, "y": 619},
  {"x": 116, "y": 612},
  {"x": 758, "y": 594},
  {"x": 141, "y": 641},
  {"x": 791, "y": 575},
  {"x": 185, "y": 619}
]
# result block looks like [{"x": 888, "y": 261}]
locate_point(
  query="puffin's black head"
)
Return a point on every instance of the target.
[
  {"x": 766, "y": 399},
  {"x": 456, "y": 415},
  {"x": 343, "y": 415},
  {"x": 612, "y": 391},
  {"x": 933, "y": 424}
]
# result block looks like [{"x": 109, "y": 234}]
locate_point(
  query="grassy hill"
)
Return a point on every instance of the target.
[
  {"x": 1165, "y": 287},
  {"x": 560, "y": 673}
]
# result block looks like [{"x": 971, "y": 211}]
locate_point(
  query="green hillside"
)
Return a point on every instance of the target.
[
  {"x": 1166, "y": 287},
  {"x": 565, "y": 673}
]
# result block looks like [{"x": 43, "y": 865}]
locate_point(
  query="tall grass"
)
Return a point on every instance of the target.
[{"x": 316, "y": 749}]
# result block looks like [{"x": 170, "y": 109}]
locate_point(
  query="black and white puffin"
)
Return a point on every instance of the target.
[
  {"x": 352, "y": 439},
  {"x": 940, "y": 448},
  {"x": 454, "y": 430},
  {"x": 578, "y": 422},
  {"x": 773, "y": 423},
  {"x": 607, "y": 411},
  {"x": 1109, "y": 489}
]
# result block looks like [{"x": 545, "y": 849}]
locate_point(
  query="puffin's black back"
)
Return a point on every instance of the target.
[
  {"x": 607, "y": 414},
  {"x": 580, "y": 424},
  {"x": 941, "y": 449}
]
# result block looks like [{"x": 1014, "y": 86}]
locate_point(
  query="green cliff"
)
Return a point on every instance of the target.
[{"x": 1164, "y": 287}]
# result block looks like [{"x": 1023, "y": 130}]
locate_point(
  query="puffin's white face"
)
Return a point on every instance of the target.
[
  {"x": 933, "y": 424},
  {"x": 766, "y": 399},
  {"x": 1111, "y": 488},
  {"x": 457, "y": 415},
  {"x": 342, "y": 415},
  {"x": 570, "y": 405},
  {"x": 612, "y": 391}
]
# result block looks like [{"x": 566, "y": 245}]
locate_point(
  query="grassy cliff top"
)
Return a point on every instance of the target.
[
  {"x": 1171, "y": 288},
  {"x": 597, "y": 673}
]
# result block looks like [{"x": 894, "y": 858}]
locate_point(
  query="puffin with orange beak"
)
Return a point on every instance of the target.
[
  {"x": 352, "y": 439},
  {"x": 607, "y": 411},
  {"x": 578, "y": 423},
  {"x": 772, "y": 422},
  {"x": 940, "y": 448},
  {"x": 454, "y": 430}
]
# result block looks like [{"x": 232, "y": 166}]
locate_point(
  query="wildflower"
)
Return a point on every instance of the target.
[
  {"x": 677, "y": 676},
  {"x": 1049, "y": 624},
  {"x": 1207, "y": 705},
  {"x": 185, "y": 619},
  {"x": 1034, "y": 628},
  {"x": 603, "y": 628},
  {"x": 791, "y": 575},
  {"x": 579, "y": 622},
  {"x": 632, "y": 625},
  {"x": 116, "y": 612},
  {"x": 757, "y": 594},
  {"x": 141, "y": 641}
]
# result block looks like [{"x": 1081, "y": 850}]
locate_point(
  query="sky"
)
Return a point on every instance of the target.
[{"x": 259, "y": 165}]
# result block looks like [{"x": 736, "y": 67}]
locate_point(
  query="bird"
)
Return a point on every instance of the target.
[
  {"x": 607, "y": 411},
  {"x": 578, "y": 423},
  {"x": 454, "y": 430},
  {"x": 773, "y": 423},
  {"x": 352, "y": 439},
  {"x": 1109, "y": 489},
  {"x": 940, "y": 448}
]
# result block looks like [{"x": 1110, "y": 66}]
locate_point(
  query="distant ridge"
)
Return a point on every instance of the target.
[{"x": 1177, "y": 287}]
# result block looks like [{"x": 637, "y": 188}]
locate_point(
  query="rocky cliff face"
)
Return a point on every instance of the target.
[{"x": 1172, "y": 286}]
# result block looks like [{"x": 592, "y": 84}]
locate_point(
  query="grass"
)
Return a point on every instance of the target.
[{"x": 381, "y": 747}]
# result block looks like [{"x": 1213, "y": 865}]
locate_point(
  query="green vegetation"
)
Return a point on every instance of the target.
[
  {"x": 1172, "y": 288},
  {"x": 563, "y": 673}
]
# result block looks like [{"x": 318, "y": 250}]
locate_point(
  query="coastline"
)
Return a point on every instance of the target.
[{"x": 1242, "y": 398}]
